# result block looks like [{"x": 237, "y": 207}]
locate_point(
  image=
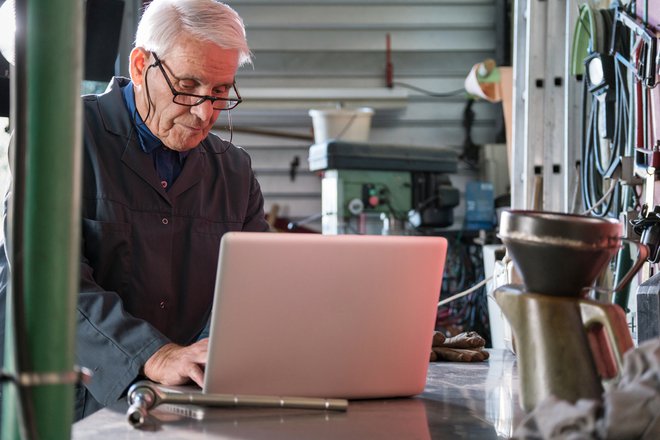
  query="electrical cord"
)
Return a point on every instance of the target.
[
  {"x": 470, "y": 154},
  {"x": 465, "y": 292},
  {"x": 601, "y": 150},
  {"x": 592, "y": 173},
  {"x": 478, "y": 285},
  {"x": 602, "y": 199},
  {"x": 450, "y": 94}
]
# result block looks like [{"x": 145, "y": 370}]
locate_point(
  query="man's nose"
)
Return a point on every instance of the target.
[{"x": 203, "y": 111}]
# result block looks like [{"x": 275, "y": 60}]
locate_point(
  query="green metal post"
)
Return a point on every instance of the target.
[{"x": 54, "y": 42}]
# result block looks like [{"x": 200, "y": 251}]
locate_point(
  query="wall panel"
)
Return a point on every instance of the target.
[{"x": 310, "y": 46}]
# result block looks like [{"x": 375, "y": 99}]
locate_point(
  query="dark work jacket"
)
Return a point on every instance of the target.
[{"x": 148, "y": 257}]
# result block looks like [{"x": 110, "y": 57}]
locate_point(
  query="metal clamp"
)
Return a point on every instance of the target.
[
  {"x": 646, "y": 71},
  {"x": 33, "y": 379}
]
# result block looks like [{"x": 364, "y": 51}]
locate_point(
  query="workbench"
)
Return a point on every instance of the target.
[{"x": 461, "y": 400}]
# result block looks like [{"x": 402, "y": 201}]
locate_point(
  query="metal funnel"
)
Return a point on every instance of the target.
[{"x": 558, "y": 254}]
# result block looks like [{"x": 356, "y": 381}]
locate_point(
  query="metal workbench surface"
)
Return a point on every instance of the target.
[{"x": 461, "y": 400}]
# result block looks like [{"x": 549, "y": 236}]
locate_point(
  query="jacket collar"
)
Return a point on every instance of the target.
[{"x": 116, "y": 122}]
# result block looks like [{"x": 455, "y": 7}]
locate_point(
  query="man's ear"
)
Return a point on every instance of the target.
[{"x": 139, "y": 61}]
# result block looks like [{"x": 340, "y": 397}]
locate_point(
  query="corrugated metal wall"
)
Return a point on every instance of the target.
[{"x": 321, "y": 53}]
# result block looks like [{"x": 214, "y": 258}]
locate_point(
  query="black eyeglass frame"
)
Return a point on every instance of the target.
[{"x": 200, "y": 98}]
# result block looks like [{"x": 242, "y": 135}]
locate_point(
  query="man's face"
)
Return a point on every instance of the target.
[{"x": 193, "y": 66}]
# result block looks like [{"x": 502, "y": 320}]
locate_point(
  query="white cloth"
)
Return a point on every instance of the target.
[{"x": 631, "y": 410}]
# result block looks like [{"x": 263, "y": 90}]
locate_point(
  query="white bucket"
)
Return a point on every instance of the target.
[{"x": 341, "y": 124}]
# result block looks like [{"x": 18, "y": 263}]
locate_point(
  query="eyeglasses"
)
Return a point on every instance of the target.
[{"x": 191, "y": 100}]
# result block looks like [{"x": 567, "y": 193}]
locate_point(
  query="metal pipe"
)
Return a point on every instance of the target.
[{"x": 623, "y": 260}]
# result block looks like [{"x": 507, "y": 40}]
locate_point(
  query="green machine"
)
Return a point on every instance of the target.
[{"x": 384, "y": 189}]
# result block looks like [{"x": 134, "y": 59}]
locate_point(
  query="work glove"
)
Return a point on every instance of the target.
[{"x": 464, "y": 347}]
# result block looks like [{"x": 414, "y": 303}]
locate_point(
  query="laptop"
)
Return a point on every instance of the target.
[{"x": 311, "y": 315}]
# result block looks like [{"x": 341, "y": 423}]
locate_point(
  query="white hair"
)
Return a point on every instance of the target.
[{"x": 164, "y": 21}]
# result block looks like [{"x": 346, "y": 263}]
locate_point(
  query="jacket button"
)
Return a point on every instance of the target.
[
  {"x": 165, "y": 221},
  {"x": 162, "y": 304}
]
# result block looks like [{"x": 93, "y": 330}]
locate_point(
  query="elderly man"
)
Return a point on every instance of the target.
[{"x": 159, "y": 191}]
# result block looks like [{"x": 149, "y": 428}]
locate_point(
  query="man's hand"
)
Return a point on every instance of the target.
[{"x": 176, "y": 365}]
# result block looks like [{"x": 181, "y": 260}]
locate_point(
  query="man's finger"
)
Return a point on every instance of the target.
[{"x": 197, "y": 375}]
